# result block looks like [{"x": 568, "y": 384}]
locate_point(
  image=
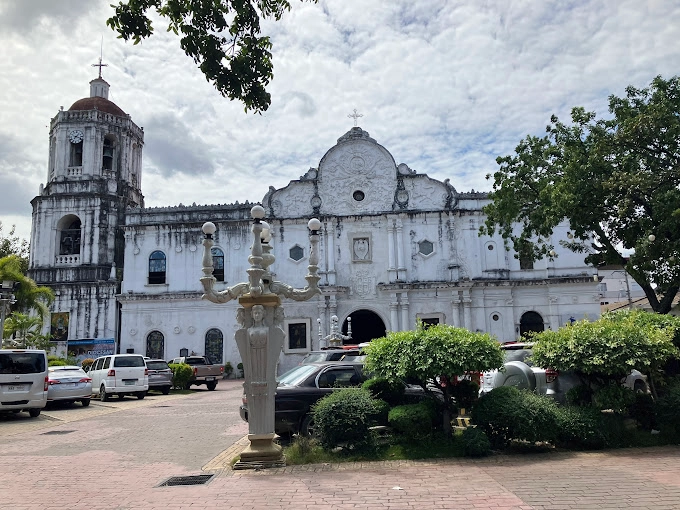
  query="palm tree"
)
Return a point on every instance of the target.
[
  {"x": 27, "y": 294},
  {"x": 25, "y": 332}
]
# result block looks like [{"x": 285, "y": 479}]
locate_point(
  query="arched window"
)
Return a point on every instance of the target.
[
  {"x": 69, "y": 240},
  {"x": 155, "y": 345},
  {"x": 157, "y": 267},
  {"x": 218, "y": 263},
  {"x": 107, "y": 155},
  {"x": 530, "y": 321},
  {"x": 214, "y": 345},
  {"x": 76, "y": 156}
]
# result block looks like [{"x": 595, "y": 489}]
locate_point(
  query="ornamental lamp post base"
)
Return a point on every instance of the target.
[{"x": 262, "y": 453}]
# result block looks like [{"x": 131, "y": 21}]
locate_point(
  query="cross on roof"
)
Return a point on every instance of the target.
[
  {"x": 355, "y": 116},
  {"x": 100, "y": 65}
]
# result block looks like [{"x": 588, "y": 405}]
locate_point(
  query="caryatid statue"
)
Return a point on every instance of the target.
[{"x": 260, "y": 336}]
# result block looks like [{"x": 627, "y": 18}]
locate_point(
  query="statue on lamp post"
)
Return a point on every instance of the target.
[
  {"x": 260, "y": 336},
  {"x": 335, "y": 338}
]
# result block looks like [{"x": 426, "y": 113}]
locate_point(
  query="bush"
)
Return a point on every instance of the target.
[
  {"x": 381, "y": 388},
  {"x": 414, "y": 421},
  {"x": 507, "y": 413},
  {"x": 580, "y": 427},
  {"x": 668, "y": 410},
  {"x": 613, "y": 396},
  {"x": 56, "y": 362},
  {"x": 86, "y": 364},
  {"x": 181, "y": 375},
  {"x": 382, "y": 409},
  {"x": 475, "y": 442},
  {"x": 643, "y": 411},
  {"x": 344, "y": 417},
  {"x": 580, "y": 395}
]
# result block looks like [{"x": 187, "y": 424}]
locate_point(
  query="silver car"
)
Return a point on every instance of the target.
[
  {"x": 519, "y": 371},
  {"x": 68, "y": 384},
  {"x": 160, "y": 375}
]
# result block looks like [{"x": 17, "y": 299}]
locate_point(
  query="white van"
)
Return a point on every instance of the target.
[
  {"x": 119, "y": 374},
  {"x": 23, "y": 380}
]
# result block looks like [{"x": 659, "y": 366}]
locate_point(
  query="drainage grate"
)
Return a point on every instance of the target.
[
  {"x": 186, "y": 480},
  {"x": 57, "y": 432}
]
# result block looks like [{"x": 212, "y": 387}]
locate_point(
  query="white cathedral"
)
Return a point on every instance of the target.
[{"x": 396, "y": 247}]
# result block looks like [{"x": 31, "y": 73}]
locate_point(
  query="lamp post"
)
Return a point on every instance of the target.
[
  {"x": 260, "y": 336},
  {"x": 335, "y": 338}
]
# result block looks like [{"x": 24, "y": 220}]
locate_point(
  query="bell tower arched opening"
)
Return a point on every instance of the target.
[{"x": 366, "y": 325}]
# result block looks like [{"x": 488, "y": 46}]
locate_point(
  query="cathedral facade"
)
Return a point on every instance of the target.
[{"x": 397, "y": 247}]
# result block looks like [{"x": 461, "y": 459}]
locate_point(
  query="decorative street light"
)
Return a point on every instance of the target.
[
  {"x": 335, "y": 338},
  {"x": 261, "y": 334}
]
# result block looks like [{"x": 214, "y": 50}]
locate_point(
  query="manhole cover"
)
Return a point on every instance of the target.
[
  {"x": 57, "y": 432},
  {"x": 186, "y": 480}
]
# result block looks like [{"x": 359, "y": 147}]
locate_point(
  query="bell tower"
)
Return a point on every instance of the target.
[{"x": 77, "y": 243}]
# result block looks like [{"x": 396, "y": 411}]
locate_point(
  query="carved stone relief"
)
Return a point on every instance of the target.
[{"x": 363, "y": 284}]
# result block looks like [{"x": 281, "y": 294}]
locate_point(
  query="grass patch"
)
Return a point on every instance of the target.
[{"x": 303, "y": 450}]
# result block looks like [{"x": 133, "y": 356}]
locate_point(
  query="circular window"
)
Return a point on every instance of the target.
[
  {"x": 495, "y": 316},
  {"x": 358, "y": 195},
  {"x": 490, "y": 247}
]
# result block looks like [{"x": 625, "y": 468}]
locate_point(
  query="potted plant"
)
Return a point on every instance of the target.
[{"x": 240, "y": 369}]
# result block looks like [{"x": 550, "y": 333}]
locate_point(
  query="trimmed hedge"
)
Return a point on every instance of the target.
[
  {"x": 390, "y": 392},
  {"x": 343, "y": 419},
  {"x": 181, "y": 374},
  {"x": 414, "y": 421},
  {"x": 475, "y": 442}
]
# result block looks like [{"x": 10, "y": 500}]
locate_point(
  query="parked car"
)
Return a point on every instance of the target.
[
  {"x": 23, "y": 380},
  {"x": 160, "y": 375},
  {"x": 338, "y": 354},
  {"x": 69, "y": 384},
  {"x": 204, "y": 371},
  {"x": 301, "y": 387},
  {"x": 519, "y": 371},
  {"x": 119, "y": 374}
]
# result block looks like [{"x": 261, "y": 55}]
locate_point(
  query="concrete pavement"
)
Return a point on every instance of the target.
[{"x": 114, "y": 455}]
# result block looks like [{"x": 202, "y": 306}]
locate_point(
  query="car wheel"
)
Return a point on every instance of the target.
[
  {"x": 640, "y": 387},
  {"x": 103, "y": 396},
  {"x": 34, "y": 413},
  {"x": 141, "y": 394},
  {"x": 308, "y": 427},
  {"x": 166, "y": 390},
  {"x": 85, "y": 402},
  {"x": 211, "y": 385}
]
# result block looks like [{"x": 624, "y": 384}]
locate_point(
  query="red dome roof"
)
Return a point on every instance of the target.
[{"x": 98, "y": 103}]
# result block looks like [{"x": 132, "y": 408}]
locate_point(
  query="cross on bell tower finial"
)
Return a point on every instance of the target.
[
  {"x": 100, "y": 65},
  {"x": 355, "y": 116}
]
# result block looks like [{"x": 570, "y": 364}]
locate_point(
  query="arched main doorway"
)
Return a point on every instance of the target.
[
  {"x": 366, "y": 326},
  {"x": 530, "y": 321}
]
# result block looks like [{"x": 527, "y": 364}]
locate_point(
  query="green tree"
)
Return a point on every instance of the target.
[
  {"x": 426, "y": 355},
  {"x": 11, "y": 244},
  {"x": 616, "y": 181},
  {"x": 23, "y": 331},
  {"x": 605, "y": 351},
  {"x": 223, "y": 37},
  {"x": 28, "y": 296}
]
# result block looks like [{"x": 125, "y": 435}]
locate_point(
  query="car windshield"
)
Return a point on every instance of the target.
[
  {"x": 296, "y": 375},
  {"x": 157, "y": 365}
]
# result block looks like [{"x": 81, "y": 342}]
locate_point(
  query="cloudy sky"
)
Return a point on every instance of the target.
[{"x": 445, "y": 85}]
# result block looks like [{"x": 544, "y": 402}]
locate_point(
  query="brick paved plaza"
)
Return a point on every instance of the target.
[{"x": 114, "y": 455}]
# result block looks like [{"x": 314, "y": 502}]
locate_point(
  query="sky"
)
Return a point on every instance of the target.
[{"x": 446, "y": 86}]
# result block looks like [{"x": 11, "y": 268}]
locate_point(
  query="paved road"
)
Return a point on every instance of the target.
[{"x": 114, "y": 455}]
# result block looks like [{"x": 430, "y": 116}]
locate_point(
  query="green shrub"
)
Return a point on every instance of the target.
[
  {"x": 240, "y": 370},
  {"x": 613, "y": 396},
  {"x": 643, "y": 411},
  {"x": 475, "y": 442},
  {"x": 413, "y": 421},
  {"x": 181, "y": 374},
  {"x": 56, "y": 362},
  {"x": 668, "y": 410},
  {"x": 507, "y": 413},
  {"x": 580, "y": 395},
  {"x": 86, "y": 364},
  {"x": 382, "y": 409},
  {"x": 228, "y": 369},
  {"x": 343, "y": 419},
  {"x": 580, "y": 427},
  {"x": 390, "y": 392}
]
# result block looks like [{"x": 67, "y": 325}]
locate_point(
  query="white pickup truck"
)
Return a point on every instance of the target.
[{"x": 204, "y": 370}]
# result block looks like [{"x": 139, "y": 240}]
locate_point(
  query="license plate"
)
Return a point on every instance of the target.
[
  {"x": 130, "y": 382},
  {"x": 68, "y": 385},
  {"x": 209, "y": 378},
  {"x": 17, "y": 387}
]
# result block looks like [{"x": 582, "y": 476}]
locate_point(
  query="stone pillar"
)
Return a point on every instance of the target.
[
  {"x": 467, "y": 310},
  {"x": 331, "y": 253},
  {"x": 455, "y": 306},
  {"x": 394, "y": 313},
  {"x": 405, "y": 325},
  {"x": 391, "y": 268},
  {"x": 400, "y": 250}
]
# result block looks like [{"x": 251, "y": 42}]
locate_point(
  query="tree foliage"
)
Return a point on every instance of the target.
[
  {"x": 616, "y": 181},
  {"x": 28, "y": 296},
  {"x": 23, "y": 331},
  {"x": 11, "y": 244},
  {"x": 426, "y": 354},
  {"x": 608, "y": 349},
  {"x": 223, "y": 37}
]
